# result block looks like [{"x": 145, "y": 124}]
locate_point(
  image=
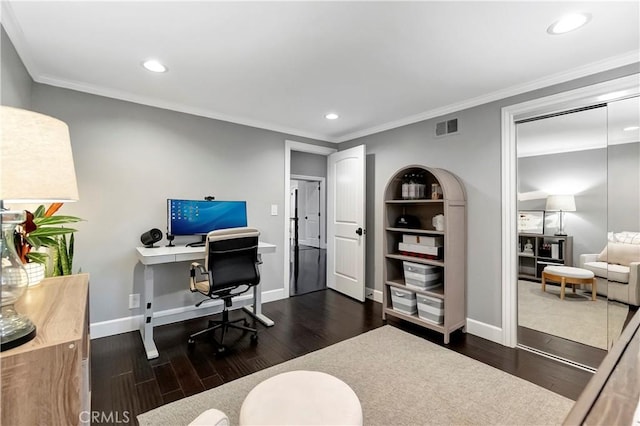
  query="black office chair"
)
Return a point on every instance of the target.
[{"x": 231, "y": 268}]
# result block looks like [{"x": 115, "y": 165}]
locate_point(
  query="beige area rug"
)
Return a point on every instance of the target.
[
  {"x": 576, "y": 318},
  {"x": 400, "y": 379}
]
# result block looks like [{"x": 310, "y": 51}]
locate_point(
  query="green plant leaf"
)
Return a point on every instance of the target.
[
  {"x": 38, "y": 258},
  {"x": 54, "y": 270},
  {"x": 51, "y": 232},
  {"x": 64, "y": 256},
  {"x": 40, "y": 211},
  {"x": 37, "y": 242},
  {"x": 55, "y": 220},
  {"x": 72, "y": 241}
]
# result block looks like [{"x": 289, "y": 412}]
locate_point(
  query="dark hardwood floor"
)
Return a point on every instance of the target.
[
  {"x": 308, "y": 270},
  {"x": 123, "y": 380}
]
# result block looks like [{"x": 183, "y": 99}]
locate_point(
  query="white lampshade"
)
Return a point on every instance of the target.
[
  {"x": 565, "y": 203},
  {"x": 36, "y": 162}
]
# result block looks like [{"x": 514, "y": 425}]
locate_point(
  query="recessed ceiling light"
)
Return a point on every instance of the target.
[
  {"x": 631, "y": 128},
  {"x": 331, "y": 116},
  {"x": 154, "y": 66},
  {"x": 568, "y": 23}
]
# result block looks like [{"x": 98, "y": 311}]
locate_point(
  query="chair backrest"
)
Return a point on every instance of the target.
[{"x": 232, "y": 258}]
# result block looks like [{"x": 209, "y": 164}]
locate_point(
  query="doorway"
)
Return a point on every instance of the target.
[
  {"x": 307, "y": 265},
  {"x": 307, "y": 233}
]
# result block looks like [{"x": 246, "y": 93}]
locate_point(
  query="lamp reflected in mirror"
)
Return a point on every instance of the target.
[{"x": 561, "y": 204}]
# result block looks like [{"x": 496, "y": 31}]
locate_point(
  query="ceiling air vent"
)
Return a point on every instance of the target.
[{"x": 447, "y": 127}]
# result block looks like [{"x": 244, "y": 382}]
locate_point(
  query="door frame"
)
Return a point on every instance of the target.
[
  {"x": 323, "y": 203},
  {"x": 289, "y": 146},
  {"x": 619, "y": 88}
]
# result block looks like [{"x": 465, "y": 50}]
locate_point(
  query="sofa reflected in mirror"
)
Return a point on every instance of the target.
[{"x": 617, "y": 267}]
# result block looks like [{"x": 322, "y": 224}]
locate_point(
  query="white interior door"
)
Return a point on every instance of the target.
[
  {"x": 345, "y": 222},
  {"x": 312, "y": 214}
]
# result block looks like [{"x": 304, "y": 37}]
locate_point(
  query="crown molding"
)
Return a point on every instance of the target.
[
  {"x": 563, "y": 77},
  {"x": 175, "y": 106}
]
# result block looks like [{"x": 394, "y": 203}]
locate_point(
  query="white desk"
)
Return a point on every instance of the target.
[{"x": 160, "y": 255}]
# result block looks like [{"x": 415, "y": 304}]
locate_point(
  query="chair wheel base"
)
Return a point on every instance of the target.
[
  {"x": 254, "y": 338},
  {"x": 220, "y": 350}
]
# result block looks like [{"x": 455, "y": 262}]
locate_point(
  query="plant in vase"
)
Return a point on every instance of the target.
[{"x": 44, "y": 229}]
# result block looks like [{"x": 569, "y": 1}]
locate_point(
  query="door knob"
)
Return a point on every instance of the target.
[{"x": 359, "y": 231}]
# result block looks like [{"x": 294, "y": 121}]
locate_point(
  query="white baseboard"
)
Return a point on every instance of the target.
[
  {"x": 375, "y": 295},
  {"x": 486, "y": 331},
  {"x": 116, "y": 326},
  {"x": 273, "y": 295},
  {"x": 168, "y": 316}
]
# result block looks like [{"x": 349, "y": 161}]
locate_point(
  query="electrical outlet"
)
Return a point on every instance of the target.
[{"x": 134, "y": 301}]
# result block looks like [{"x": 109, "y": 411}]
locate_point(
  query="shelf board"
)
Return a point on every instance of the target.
[
  {"x": 415, "y": 319},
  {"x": 420, "y": 201},
  {"x": 526, "y": 255},
  {"x": 416, "y": 231},
  {"x": 438, "y": 292},
  {"x": 552, "y": 259},
  {"x": 416, "y": 259}
]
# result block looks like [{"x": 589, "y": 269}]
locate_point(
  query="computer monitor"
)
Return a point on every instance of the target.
[{"x": 199, "y": 217}]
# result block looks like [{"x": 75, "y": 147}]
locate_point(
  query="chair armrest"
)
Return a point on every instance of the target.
[
  {"x": 211, "y": 417},
  {"x": 584, "y": 258},
  {"x": 195, "y": 267}
]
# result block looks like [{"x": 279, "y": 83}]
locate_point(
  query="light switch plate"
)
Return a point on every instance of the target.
[{"x": 274, "y": 210}]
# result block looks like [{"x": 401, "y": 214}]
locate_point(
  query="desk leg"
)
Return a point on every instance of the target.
[
  {"x": 257, "y": 303},
  {"x": 256, "y": 310},
  {"x": 146, "y": 330}
]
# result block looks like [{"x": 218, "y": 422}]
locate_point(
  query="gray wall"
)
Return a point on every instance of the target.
[
  {"x": 588, "y": 224},
  {"x": 130, "y": 158},
  {"x": 305, "y": 163},
  {"x": 15, "y": 81},
  {"x": 474, "y": 156},
  {"x": 624, "y": 187}
]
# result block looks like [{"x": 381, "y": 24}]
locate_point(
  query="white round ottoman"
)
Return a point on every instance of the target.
[
  {"x": 301, "y": 398},
  {"x": 569, "y": 275}
]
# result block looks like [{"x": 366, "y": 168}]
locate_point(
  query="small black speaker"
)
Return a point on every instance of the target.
[{"x": 151, "y": 236}]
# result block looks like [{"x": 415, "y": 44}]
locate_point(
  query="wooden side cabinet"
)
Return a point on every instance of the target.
[{"x": 46, "y": 380}]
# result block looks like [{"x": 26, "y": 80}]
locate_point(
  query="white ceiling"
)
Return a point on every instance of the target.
[
  {"x": 284, "y": 65},
  {"x": 578, "y": 131}
]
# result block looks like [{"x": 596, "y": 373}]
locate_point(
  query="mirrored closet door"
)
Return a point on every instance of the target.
[
  {"x": 562, "y": 216},
  {"x": 620, "y": 262}
]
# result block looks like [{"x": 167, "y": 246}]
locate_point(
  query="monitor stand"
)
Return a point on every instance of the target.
[{"x": 199, "y": 243}]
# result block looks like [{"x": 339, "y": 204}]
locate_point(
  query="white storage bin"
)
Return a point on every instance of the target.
[
  {"x": 403, "y": 301},
  {"x": 422, "y": 277},
  {"x": 431, "y": 309}
]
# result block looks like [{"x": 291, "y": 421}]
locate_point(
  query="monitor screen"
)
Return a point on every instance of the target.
[{"x": 199, "y": 217}]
